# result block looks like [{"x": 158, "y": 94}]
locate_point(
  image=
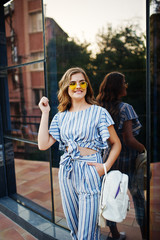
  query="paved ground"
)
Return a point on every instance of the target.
[
  {"x": 11, "y": 231},
  {"x": 33, "y": 182}
]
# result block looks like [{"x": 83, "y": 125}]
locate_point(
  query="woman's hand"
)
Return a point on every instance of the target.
[
  {"x": 45, "y": 140},
  {"x": 99, "y": 167},
  {"x": 44, "y": 105}
]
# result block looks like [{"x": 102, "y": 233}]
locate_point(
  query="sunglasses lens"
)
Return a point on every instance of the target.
[
  {"x": 83, "y": 85},
  {"x": 72, "y": 85}
]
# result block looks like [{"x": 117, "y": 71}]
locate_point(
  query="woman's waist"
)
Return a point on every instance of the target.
[
  {"x": 84, "y": 151},
  {"x": 67, "y": 159}
]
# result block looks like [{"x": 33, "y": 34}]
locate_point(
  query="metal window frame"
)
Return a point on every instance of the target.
[
  {"x": 31, "y": 205},
  {"x": 148, "y": 112},
  {"x": 148, "y": 107}
]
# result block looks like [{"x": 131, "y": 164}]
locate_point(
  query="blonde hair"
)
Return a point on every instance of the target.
[{"x": 63, "y": 96}]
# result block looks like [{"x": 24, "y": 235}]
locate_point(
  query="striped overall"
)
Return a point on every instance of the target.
[
  {"x": 80, "y": 183},
  {"x": 126, "y": 161}
]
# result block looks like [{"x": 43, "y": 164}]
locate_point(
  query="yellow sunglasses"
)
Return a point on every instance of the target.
[
  {"x": 126, "y": 84},
  {"x": 82, "y": 84}
]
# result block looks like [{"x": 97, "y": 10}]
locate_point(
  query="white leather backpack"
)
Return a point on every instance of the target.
[{"x": 114, "y": 200}]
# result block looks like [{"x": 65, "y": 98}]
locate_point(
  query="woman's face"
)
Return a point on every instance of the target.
[
  {"x": 78, "y": 88},
  {"x": 124, "y": 89}
]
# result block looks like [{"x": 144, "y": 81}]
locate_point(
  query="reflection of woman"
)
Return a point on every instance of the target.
[
  {"x": 127, "y": 126},
  {"x": 82, "y": 129}
]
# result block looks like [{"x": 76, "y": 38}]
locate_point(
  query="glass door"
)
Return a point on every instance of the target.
[
  {"x": 101, "y": 37},
  {"x": 25, "y": 72}
]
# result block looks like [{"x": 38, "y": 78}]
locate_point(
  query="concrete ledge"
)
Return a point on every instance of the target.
[{"x": 36, "y": 225}]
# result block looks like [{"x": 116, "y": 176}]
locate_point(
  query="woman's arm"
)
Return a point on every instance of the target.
[
  {"x": 45, "y": 140},
  {"x": 115, "y": 148},
  {"x": 129, "y": 139},
  {"x": 114, "y": 152}
]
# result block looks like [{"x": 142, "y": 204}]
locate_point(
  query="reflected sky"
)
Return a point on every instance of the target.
[{"x": 82, "y": 19}]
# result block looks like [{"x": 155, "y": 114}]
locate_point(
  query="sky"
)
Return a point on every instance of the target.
[{"x": 84, "y": 18}]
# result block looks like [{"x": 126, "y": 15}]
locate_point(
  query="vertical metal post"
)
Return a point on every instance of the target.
[
  {"x": 44, "y": 47},
  {"x": 7, "y": 170},
  {"x": 46, "y": 94},
  {"x": 148, "y": 112}
]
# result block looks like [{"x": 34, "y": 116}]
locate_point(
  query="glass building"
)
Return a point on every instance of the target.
[{"x": 39, "y": 41}]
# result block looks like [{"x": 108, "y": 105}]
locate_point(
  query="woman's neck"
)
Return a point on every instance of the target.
[{"x": 79, "y": 105}]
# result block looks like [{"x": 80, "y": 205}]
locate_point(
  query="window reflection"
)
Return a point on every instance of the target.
[
  {"x": 38, "y": 65},
  {"x": 26, "y": 87},
  {"x": 35, "y": 22},
  {"x": 32, "y": 174},
  {"x": 24, "y": 31},
  {"x": 121, "y": 50},
  {"x": 37, "y": 94}
]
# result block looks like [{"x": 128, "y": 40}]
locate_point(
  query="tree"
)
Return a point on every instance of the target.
[
  {"x": 123, "y": 50},
  {"x": 71, "y": 53},
  {"x": 62, "y": 54}
]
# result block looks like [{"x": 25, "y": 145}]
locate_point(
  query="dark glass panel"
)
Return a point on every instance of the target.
[
  {"x": 32, "y": 169},
  {"x": 113, "y": 45},
  {"x": 155, "y": 119},
  {"x": 26, "y": 87}
]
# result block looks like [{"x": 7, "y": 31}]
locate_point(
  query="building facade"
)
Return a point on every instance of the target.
[{"x": 34, "y": 52}]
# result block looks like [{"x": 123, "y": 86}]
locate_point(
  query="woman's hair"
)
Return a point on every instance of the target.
[
  {"x": 63, "y": 96},
  {"x": 110, "y": 92}
]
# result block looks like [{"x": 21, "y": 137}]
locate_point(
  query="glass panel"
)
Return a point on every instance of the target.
[
  {"x": 155, "y": 119},
  {"x": 26, "y": 87},
  {"x": 24, "y": 31},
  {"x": 58, "y": 210},
  {"x": 89, "y": 35},
  {"x": 32, "y": 173}
]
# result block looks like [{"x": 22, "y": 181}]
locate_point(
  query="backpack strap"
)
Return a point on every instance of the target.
[
  {"x": 105, "y": 171},
  {"x": 102, "y": 206}
]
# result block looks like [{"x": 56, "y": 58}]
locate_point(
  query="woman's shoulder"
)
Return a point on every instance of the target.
[
  {"x": 127, "y": 111},
  {"x": 123, "y": 106},
  {"x": 100, "y": 108},
  {"x": 104, "y": 115},
  {"x": 59, "y": 115}
]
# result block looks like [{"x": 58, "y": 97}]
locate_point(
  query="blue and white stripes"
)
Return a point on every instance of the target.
[
  {"x": 125, "y": 162},
  {"x": 80, "y": 197},
  {"x": 80, "y": 183},
  {"x": 127, "y": 113},
  {"x": 88, "y": 128}
]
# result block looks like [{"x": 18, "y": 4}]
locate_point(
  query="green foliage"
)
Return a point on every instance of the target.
[
  {"x": 119, "y": 50},
  {"x": 124, "y": 50},
  {"x": 69, "y": 54}
]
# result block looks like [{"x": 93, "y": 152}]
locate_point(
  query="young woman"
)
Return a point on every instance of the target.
[
  {"x": 127, "y": 126},
  {"x": 82, "y": 129}
]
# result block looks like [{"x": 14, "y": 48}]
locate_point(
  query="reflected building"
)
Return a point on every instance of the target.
[
  {"x": 24, "y": 34},
  {"x": 30, "y": 66}
]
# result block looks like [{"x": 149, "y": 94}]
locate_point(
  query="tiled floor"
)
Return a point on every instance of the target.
[
  {"x": 11, "y": 231},
  {"x": 33, "y": 182}
]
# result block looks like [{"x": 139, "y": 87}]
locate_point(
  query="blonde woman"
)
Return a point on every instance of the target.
[{"x": 82, "y": 129}]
